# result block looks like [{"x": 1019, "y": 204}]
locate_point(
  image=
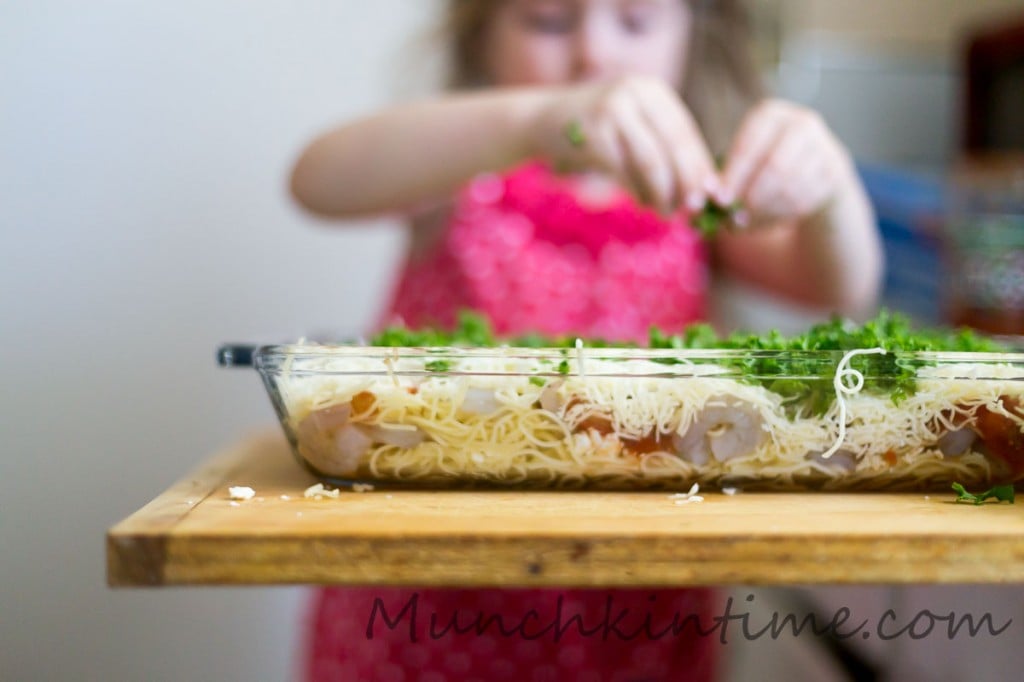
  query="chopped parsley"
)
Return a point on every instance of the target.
[
  {"x": 710, "y": 219},
  {"x": 805, "y": 379},
  {"x": 791, "y": 366},
  {"x": 1001, "y": 493},
  {"x": 574, "y": 134},
  {"x": 471, "y": 329},
  {"x": 438, "y": 366}
]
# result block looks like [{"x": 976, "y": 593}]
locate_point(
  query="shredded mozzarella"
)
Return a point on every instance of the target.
[
  {"x": 241, "y": 492},
  {"x": 319, "y": 492}
]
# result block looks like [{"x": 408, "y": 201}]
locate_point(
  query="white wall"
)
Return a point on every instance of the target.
[
  {"x": 902, "y": 58},
  {"x": 902, "y": 26},
  {"x": 143, "y": 220}
]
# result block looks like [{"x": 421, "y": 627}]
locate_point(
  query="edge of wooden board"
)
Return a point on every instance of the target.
[{"x": 136, "y": 547}]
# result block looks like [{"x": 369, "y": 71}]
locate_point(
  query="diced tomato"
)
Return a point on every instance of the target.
[
  {"x": 652, "y": 442},
  {"x": 1002, "y": 436},
  {"x": 362, "y": 403},
  {"x": 595, "y": 421}
]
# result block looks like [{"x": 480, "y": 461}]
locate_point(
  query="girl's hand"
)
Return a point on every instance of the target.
[
  {"x": 784, "y": 165},
  {"x": 636, "y": 129}
]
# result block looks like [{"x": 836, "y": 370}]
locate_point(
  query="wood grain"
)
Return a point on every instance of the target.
[{"x": 193, "y": 534}]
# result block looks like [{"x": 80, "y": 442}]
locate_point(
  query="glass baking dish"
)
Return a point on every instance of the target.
[{"x": 626, "y": 418}]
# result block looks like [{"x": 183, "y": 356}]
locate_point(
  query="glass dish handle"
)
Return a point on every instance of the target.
[{"x": 236, "y": 354}]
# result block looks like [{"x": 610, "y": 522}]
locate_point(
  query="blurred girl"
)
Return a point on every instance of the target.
[{"x": 554, "y": 189}]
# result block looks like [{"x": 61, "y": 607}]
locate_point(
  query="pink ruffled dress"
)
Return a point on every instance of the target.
[
  {"x": 550, "y": 254},
  {"x": 542, "y": 253}
]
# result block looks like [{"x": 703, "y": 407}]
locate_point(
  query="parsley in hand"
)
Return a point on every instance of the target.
[{"x": 712, "y": 217}]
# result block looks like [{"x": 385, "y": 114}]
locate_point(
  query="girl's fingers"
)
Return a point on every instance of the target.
[
  {"x": 638, "y": 130},
  {"x": 693, "y": 167},
  {"x": 599, "y": 147},
  {"x": 609, "y": 155},
  {"x": 647, "y": 162},
  {"x": 817, "y": 185},
  {"x": 757, "y": 138},
  {"x": 797, "y": 178},
  {"x": 604, "y": 149},
  {"x": 778, "y": 172}
]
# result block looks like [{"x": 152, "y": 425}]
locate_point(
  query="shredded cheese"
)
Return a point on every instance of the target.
[
  {"x": 241, "y": 492},
  {"x": 842, "y": 389},
  {"x": 687, "y": 497},
  {"x": 319, "y": 492}
]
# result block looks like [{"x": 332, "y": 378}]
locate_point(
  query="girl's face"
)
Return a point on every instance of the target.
[{"x": 553, "y": 42}]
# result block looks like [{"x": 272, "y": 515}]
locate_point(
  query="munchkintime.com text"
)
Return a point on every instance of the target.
[{"x": 734, "y": 621}]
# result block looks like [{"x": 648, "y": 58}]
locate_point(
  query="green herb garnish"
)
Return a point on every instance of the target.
[
  {"x": 471, "y": 329},
  {"x": 713, "y": 217},
  {"x": 574, "y": 133},
  {"x": 537, "y": 381},
  {"x": 1001, "y": 493},
  {"x": 805, "y": 381},
  {"x": 789, "y": 367},
  {"x": 438, "y": 366}
]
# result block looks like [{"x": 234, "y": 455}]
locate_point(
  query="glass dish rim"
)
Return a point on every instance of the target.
[
  {"x": 312, "y": 351},
  {"x": 281, "y": 359}
]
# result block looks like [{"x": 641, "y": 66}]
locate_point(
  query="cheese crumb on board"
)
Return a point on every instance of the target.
[
  {"x": 317, "y": 491},
  {"x": 687, "y": 497},
  {"x": 362, "y": 487},
  {"x": 241, "y": 492}
]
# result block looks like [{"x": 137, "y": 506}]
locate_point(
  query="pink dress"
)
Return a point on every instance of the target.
[
  {"x": 537, "y": 253},
  {"x": 549, "y": 254}
]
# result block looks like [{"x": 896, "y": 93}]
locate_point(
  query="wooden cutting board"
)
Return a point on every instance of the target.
[{"x": 194, "y": 534}]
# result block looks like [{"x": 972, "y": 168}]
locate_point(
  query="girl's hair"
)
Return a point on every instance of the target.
[{"x": 721, "y": 81}]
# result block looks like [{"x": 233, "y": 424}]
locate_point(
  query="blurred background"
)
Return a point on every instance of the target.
[{"x": 144, "y": 218}]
